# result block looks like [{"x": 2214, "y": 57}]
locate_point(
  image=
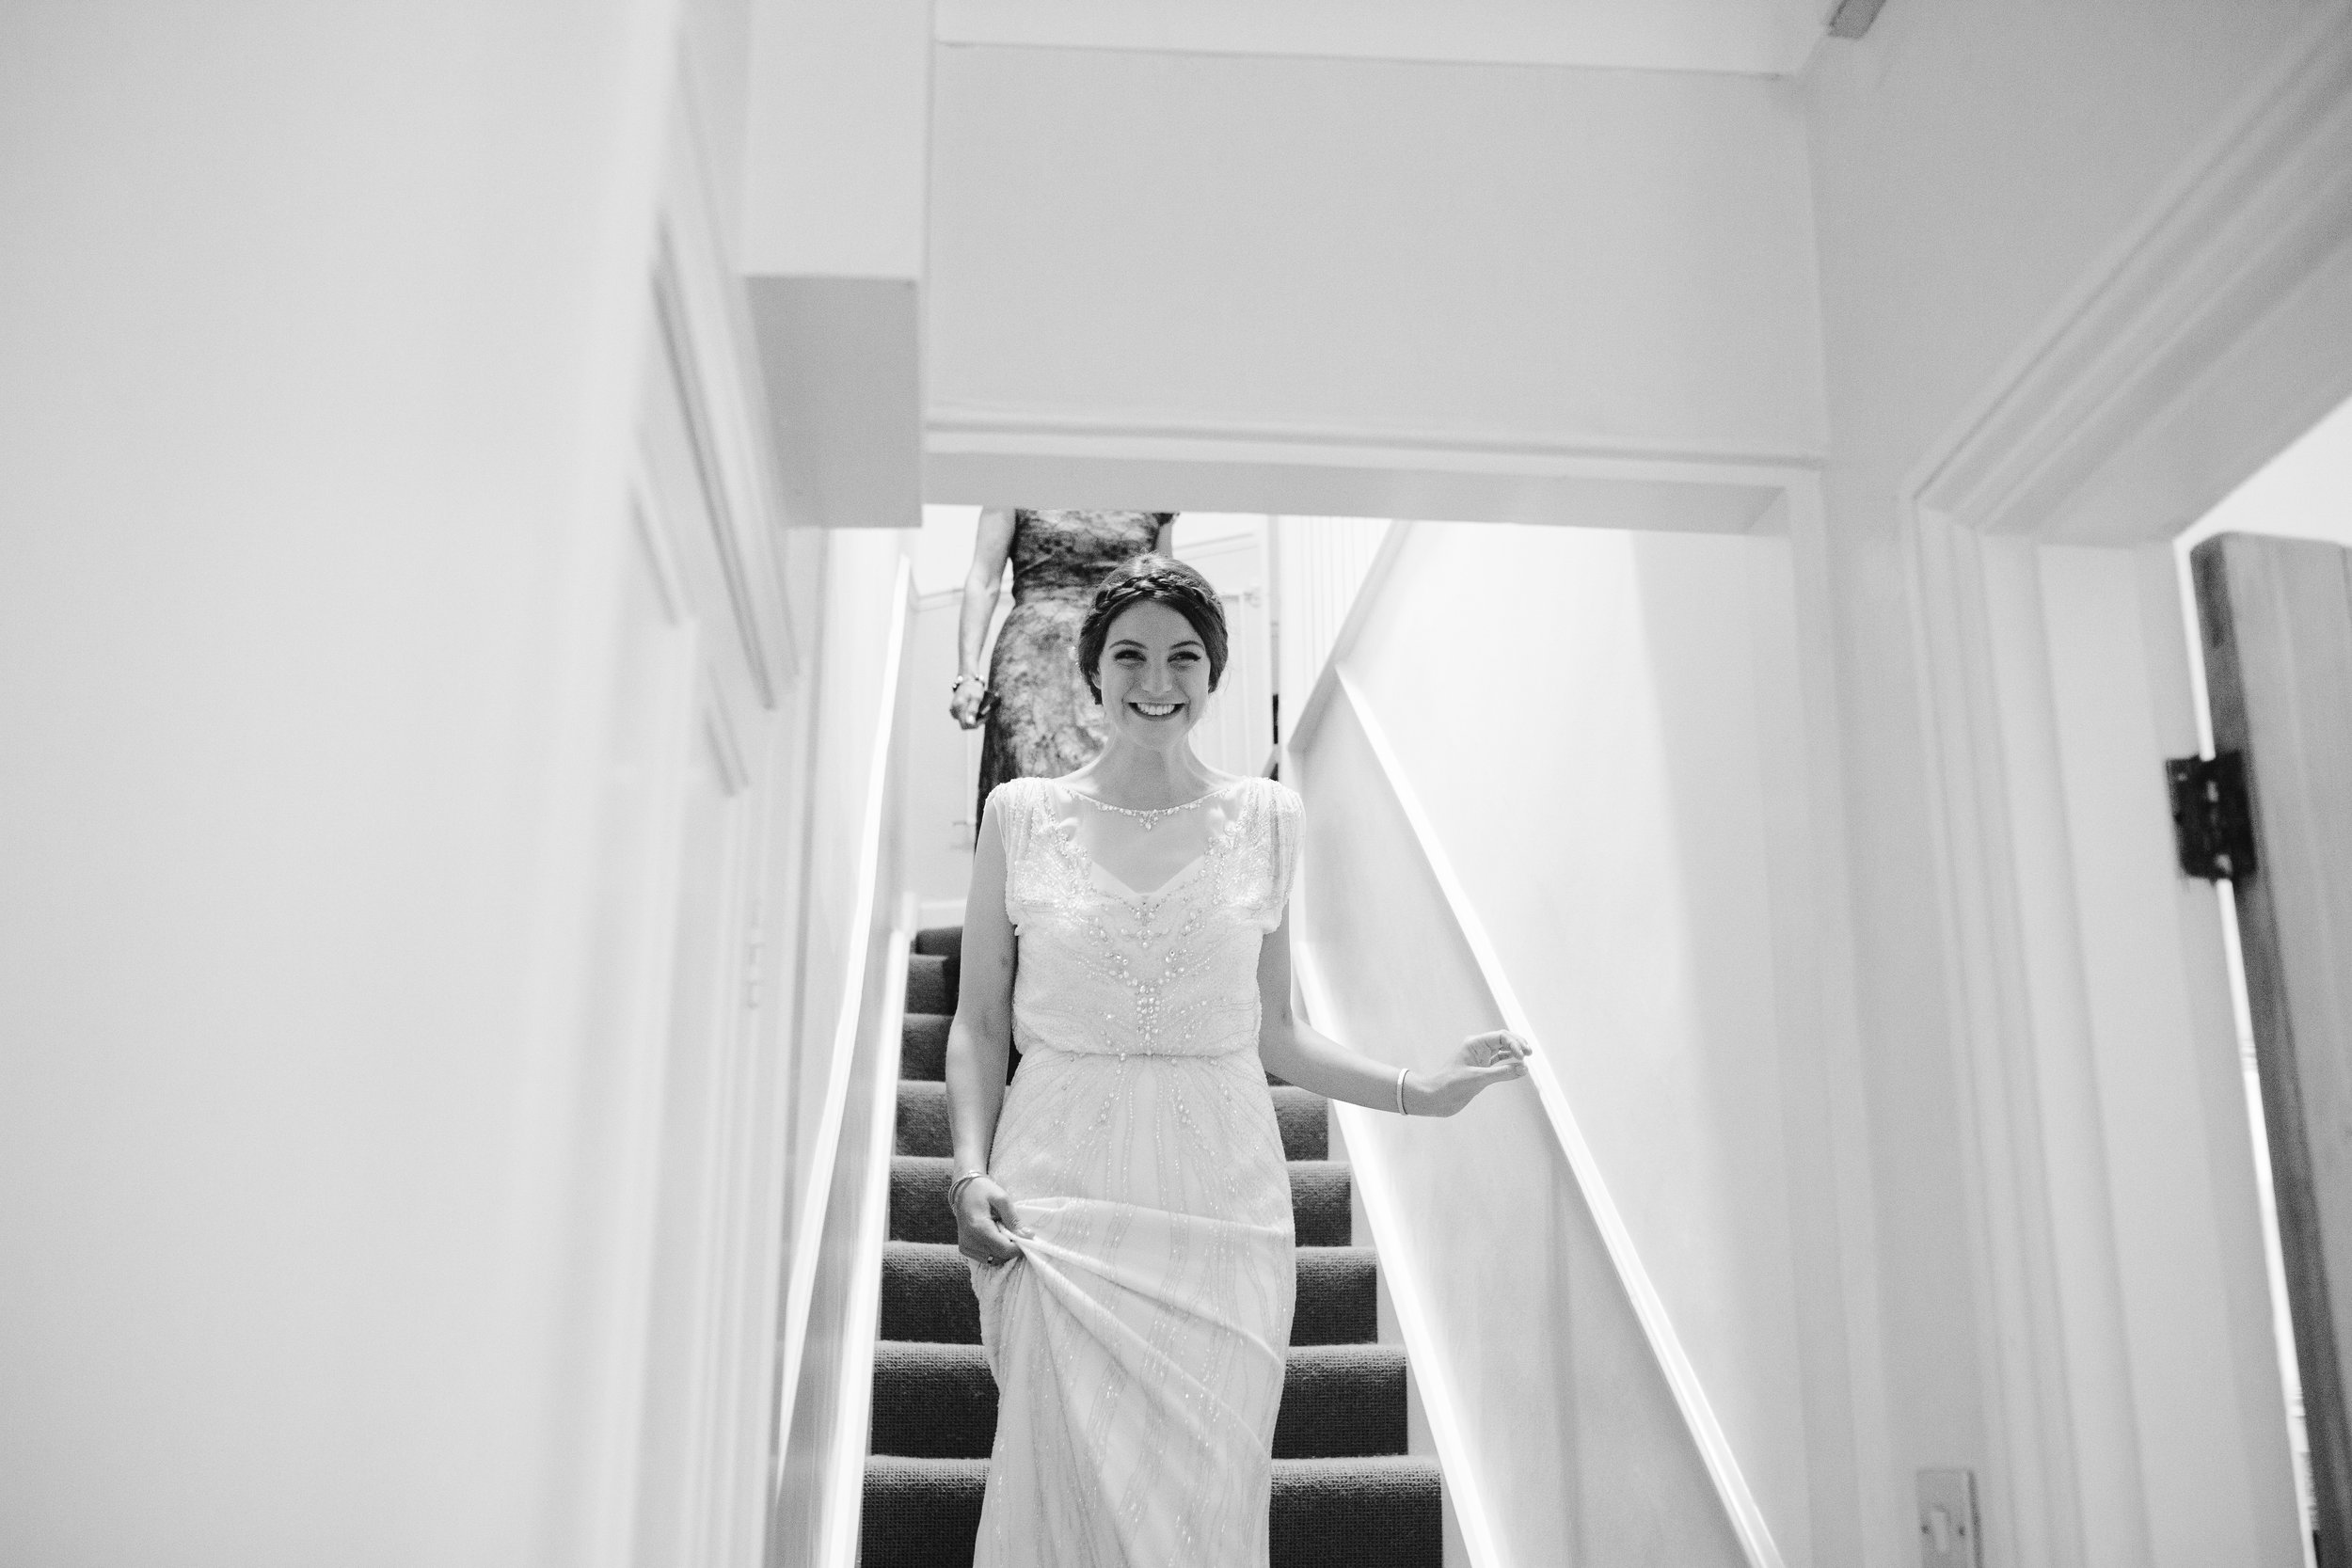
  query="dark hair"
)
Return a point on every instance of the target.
[{"x": 1152, "y": 579}]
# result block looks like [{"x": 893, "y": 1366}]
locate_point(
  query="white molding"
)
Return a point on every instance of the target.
[
  {"x": 728, "y": 534},
  {"x": 807, "y": 1232},
  {"x": 2219, "y": 317},
  {"x": 2244, "y": 224},
  {"x": 1745, "y": 38},
  {"x": 950, "y": 429},
  {"x": 1384, "y": 560},
  {"x": 1746, "y": 1514},
  {"x": 1868, "y": 1487},
  {"x": 838, "y": 1534}
]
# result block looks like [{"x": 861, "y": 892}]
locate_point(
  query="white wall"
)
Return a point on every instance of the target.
[
  {"x": 1539, "y": 255},
  {"x": 1582, "y": 714},
  {"x": 347, "y": 806},
  {"x": 321, "y": 329},
  {"x": 1941, "y": 257},
  {"x": 2305, "y": 493}
]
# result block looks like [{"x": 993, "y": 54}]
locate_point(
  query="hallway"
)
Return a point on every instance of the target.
[{"x": 463, "y": 661}]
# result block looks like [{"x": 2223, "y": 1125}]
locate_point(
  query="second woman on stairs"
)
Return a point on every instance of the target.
[{"x": 1124, "y": 1204}]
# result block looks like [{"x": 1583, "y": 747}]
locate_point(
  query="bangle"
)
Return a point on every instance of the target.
[
  {"x": 1400, "y": 1091},
  {"x": 955, "y": 1188},
  {"x": 956, "y": 684}
]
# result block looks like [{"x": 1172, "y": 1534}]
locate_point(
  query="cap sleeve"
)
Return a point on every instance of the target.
[
  {"x": 1282, "y": 808},
  {"x": 1009, "y": 802}
]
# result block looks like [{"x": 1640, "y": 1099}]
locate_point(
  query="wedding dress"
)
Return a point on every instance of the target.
[{"x": 1139, "y": 1339}]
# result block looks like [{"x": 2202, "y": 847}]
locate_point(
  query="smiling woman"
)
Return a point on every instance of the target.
[{"x": 1125, "y": 1204}]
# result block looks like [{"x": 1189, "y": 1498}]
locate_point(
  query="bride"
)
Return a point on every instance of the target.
[{"x": 1124, "y": 1204}]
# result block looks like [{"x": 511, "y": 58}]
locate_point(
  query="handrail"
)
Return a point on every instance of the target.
[
  {"x": 1723, "y": 1466},
  {"x": 838, "y": 1539}
]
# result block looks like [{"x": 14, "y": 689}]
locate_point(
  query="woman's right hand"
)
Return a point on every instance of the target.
[
  {"x": 985, "y": 1223},
  {"x": 963, "y": 704}
]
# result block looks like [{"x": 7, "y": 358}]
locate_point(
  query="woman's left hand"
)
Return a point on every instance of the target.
[{"x": 1494, "y": 1057}]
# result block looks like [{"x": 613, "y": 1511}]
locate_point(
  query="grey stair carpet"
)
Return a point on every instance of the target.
[{"x": 1345, "y": 1493}]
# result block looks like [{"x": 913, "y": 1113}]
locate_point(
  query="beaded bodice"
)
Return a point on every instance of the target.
[{"x": 1105, "y": 970}]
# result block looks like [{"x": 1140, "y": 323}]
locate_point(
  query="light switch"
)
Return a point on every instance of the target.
[{"x": 1947, "y": 1519}]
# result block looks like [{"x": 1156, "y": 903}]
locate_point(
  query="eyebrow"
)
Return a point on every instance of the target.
[{"x": 1180, "y": 643}]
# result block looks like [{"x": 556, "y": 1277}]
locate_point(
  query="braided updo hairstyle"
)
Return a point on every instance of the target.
[{"x": 1152, "y": 579}]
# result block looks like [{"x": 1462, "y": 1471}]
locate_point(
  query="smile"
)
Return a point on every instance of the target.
[{"x": 1155, "y": 710}]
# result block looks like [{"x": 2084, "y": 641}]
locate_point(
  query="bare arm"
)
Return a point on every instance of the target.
[
  {"x": 979, "y": 1042},
  {"x": 981, "y": 585},
  {"x": 1298, "y": 1055}
]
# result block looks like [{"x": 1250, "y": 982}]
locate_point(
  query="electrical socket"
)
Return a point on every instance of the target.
[{"x": 1948, "y": 1520}]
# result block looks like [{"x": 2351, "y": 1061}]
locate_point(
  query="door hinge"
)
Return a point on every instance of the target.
[{"x": 2213, "y": 825}]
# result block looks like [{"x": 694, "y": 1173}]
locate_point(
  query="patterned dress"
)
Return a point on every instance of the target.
[
  {"x": 1139, "y": 1339},
  {"x": 1046, "y": 722}
]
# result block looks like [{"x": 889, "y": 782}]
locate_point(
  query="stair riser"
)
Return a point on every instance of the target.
[
  {"x": 1325, "y": 1513},
  {"x": 923, "y": 1050},
  {"x": 938, "y": 1401},
  {"x": 930, "y": 985}
]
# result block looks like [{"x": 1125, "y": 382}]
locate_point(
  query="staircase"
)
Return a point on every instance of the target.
[{"x": 1345, "y": 1493}]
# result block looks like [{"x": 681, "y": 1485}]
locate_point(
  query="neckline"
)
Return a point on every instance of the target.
[
  {"x": 1065, "y": 831},
  {"x": 1150, "y": 814}
]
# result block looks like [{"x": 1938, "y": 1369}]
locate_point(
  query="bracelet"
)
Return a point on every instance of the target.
[
  {"x": 1400, "y": 1091},
  {"x": 955, "y": 1188},
  {"x": 956, "y": 684}
]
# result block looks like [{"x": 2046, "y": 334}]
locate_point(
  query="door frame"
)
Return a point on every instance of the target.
[{"x": 2038, "y": 542}]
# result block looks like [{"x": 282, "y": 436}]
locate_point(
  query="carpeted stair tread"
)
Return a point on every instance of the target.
[
  {"x": 920, "y": 1513},
  {"x": 918, "y": 1199},
  {"x": 1320, "y": 1211},
  {"x": 927, "y": 1296},
  {"x": 1383, "y": 1513},
  {"x": 932, "y": 1401},
  {"x": 923, "y": 1125},
  {"x": 1340, "y": 1401},
  {"x": 929, "y": 988},
  {"x": 923, "y": 1047},
  {"x": 938, "y": 1401},
  {"x": 1305, "y": 1117},
  {"x": 1339, "y": 1297},
  {"x": 940, "y": 942}
]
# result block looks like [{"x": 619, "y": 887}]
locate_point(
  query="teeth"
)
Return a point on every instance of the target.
[{"x": 1155, "y": 710}]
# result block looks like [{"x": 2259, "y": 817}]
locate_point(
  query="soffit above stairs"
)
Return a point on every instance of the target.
[{"x": 1768, "y": 37}]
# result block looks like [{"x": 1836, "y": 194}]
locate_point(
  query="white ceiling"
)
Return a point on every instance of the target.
[{"x": 1770, "y": 38}]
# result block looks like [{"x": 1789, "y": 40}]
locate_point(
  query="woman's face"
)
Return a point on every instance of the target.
[{"x": 1154, "y": 675}]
